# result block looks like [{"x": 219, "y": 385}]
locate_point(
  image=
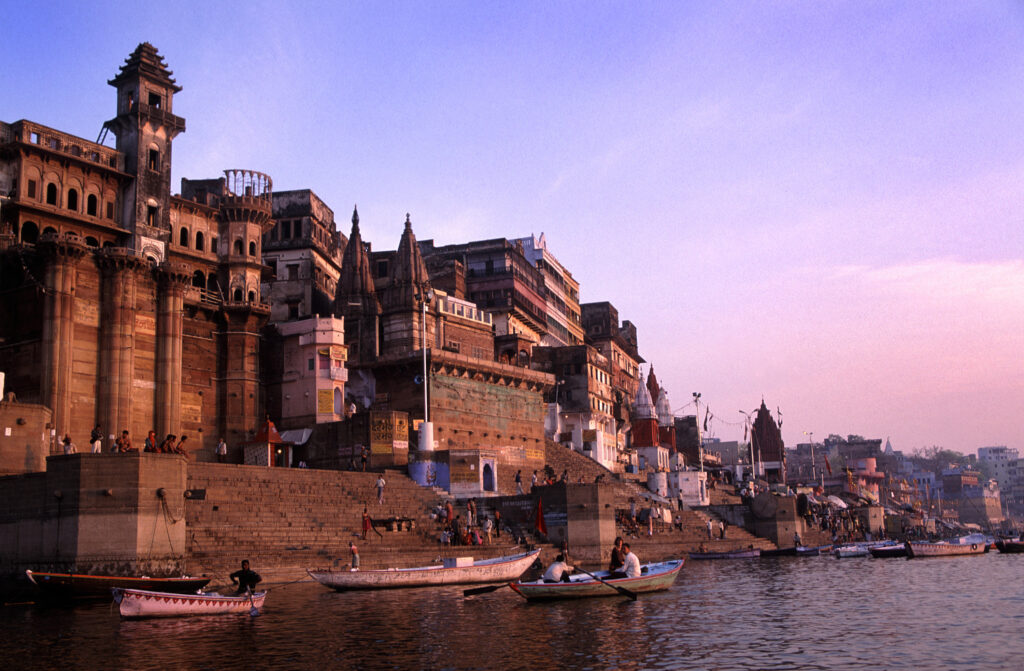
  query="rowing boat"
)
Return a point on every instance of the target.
[
  {"x": 888, "y": 551},
  {"x": 1010, "y": 546},
  {"x": 145, "y": 603},
  {"x": 85, "y": 586},
  {"x": 652, "y": 578},
  {"x": 452, "y": 571},
  {"x": 917, "y": 549}
]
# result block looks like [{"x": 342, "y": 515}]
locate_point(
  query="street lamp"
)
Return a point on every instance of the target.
[
  {"x": 426, "y": 428},
  {"x": 700, "y": 446}
]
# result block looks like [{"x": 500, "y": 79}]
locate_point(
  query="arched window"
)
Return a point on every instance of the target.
[
  {"x": 183, "y": 237},
  {"x": 337, "y": 401},
  {"x": 92, "y": 205},
  {"x": 252, "y": 249},
  {"x": 73, "y": 199},
  {"x": 198, "y": 279},
  {"x": 92, "y": 242},
  {"x": 51, "y": 194},
  {"x": 237, "y": 296},
  {"x": 30, "y": 232},
  {"x": 488, "y": 478},
  {"x": 252, "y": 296},
  {"x": 49, "y": 229},
  {"x": 238, "y": 246},
  {"x": 199, "y": 241},
  {"x": 211, "y": 283}
]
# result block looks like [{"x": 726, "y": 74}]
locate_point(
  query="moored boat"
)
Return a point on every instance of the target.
[
  {"x": 734, "y": 554},
  {"x": 78, "y": 586},
  {"x": 453, "y": 571},
  {"x": 845, "y": 551},
  {"x": 1010, "y": 546},
  {"x": 918, "y": 549},
  {"x": 146, "y": 603},
  {"x": 888, "y": 551},
  {"x": 653, "y": 578},
  {"x": 802, "y": 551}
]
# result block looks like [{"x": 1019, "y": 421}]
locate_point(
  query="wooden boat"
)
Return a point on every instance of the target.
[
  {"x": 652, "y": 578},
  {"x": 845, "y": 551},
  {"x": 146, "y": 603},
  {"x": 453, "y": 571},
  {"x": 802, "y": 551},
  {"x": 1010, "y": 546},
  {"x": 797, "y": 551},
  {"x": 918, "y": 549},
  {"x": 734, "y": 554},
  {"x": 85, "y": 586},
  {"x": 888, "y": 551}
]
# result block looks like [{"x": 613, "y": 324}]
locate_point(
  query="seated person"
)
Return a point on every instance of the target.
[
  {"x": 631, "y": 565},
  {"x": 245, "y": 578},
  {"x": 559, "y": 571}
]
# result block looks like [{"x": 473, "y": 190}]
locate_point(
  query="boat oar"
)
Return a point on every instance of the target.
[
  {"x": 254, "y": 611},
  {"x": 483, "y": 590},
  {"x": 621, "y": 590}
]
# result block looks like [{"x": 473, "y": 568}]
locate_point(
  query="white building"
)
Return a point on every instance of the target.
[{"x": 999, "y": 460}]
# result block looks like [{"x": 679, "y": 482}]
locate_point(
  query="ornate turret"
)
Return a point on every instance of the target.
[
  {"x": 652, "y": 384},
  {"x": 145, "y": 127},
  {"x": 410, "y": 280},
  {"x": 356, "y": 298},
  {"x": 644, "y": 423}
]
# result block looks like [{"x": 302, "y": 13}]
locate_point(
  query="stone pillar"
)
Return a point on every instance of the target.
[
  {"x": 173, "y": 278},
  {"x": 121, "y": 269},
  {"x": 62, "y": 255}
]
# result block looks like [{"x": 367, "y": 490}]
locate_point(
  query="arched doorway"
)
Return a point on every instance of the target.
[{"x": 488, "y": 475}]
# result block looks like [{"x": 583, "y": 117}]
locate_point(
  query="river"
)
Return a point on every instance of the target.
[{"x": 780, "y": 613}]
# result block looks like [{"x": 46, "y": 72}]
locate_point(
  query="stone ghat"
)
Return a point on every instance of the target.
[{"x": 285, "y": 520}]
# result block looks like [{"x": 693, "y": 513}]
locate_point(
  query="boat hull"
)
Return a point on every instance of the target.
[
  {"x": 1010, "y": 547},
  {"x": 144, "y": 603},
  {"x": 659, "y": 577},
  {"x": 75, "y": 586},
  {"x": 500, "y": 569},
  {"x": 737, "y": 554},
  {"x": 888, "y": 552},
  {"x": 917, "y": 550}
]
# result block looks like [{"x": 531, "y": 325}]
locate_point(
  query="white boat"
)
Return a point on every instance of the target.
[
  {"x": 144, "y": 603},
  {"x": 844, "y": 551},
  {"x": 452, "y": 571},
  {"x": 917, "y": 549}
]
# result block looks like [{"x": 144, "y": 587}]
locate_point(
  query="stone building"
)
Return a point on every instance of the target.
[
  {"x": 124, "y": 305},
  {"x": 618, "y": 343},
  {"x": 418, "y": 350},
  {"x": 561, "y": 294}
]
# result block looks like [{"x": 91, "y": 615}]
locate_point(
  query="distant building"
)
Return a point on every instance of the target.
[{"x": 999, "y": 461}]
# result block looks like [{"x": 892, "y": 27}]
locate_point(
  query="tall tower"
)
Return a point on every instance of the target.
[
  {"x": 145, "y": 127},
  {"x": 356, "y": 299}
]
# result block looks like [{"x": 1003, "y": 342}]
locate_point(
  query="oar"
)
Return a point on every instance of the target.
[
  {"x": 254, "y": 611},
  {"x": 483, "y": 590},
  {"x": 621, "y": 590}
]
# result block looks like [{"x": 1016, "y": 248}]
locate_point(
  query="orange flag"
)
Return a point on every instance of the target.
[{"x": 541, "y": 526}]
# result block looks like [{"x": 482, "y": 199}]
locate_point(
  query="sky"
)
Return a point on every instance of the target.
[{"x": 817, "y": 204}]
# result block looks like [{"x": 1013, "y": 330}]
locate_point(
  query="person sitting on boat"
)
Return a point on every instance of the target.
[
  {"x": 245, "y": 578},
  {"x": 618, "y": 558},
  {"x": 559, "y": 571},
  {"x": 631, "y": 563}
]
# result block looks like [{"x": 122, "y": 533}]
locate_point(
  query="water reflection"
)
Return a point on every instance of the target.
[{"x": 780, "y": 613}]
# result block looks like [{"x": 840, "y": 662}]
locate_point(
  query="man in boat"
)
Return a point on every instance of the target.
[
  {"x": 245, "y": 578},
  {"x": 559, "y": 571},
  {"x": 631, "y": 563}
]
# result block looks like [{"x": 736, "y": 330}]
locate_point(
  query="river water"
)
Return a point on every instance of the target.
[{"x": 780, "y": 613}]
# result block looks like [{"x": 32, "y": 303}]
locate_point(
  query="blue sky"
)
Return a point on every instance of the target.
[{"x": 820, "y": 204}]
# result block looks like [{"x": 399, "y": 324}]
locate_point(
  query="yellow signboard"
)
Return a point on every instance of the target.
[{"x": 324, "y": 401}]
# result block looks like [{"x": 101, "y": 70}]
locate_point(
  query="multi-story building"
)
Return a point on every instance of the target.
[
  {"x": 304, "y": 251},
  {"x": 618, "y": 343},
  {"x": 999, "y": 460},
  {"x": 561, "y": 294},
  {"x": 580, "y": 405},
  {"x": 124, "y": 305}
]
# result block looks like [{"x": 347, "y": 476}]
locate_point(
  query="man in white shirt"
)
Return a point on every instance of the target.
[
  {"x": 631, "y": 565},
  {"x": 559, "y": 571}
]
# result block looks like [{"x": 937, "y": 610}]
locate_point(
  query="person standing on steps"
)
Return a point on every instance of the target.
[
  {"x": 366, "y": 522},
  {"x": 354, "y": 552},
  {"x": 519, "y": 482},
  {"x": 380, "y": 490},
  {"x": 96, "y": 440},
  {"x": 222, "y": 451}
]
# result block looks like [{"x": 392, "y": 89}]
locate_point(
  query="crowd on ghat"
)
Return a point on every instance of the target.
[{"x": 171, "y": 444}]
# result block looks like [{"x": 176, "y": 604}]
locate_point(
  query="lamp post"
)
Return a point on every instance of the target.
[
  {"x": 426, "y": 299},
  {"x": 700, "y": 446}
]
